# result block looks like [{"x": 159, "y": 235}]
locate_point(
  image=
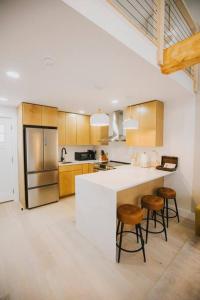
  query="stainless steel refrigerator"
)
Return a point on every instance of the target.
[{"x": 41, "y": 165}]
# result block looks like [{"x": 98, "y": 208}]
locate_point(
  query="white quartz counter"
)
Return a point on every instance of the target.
[
  {"x": 124, "y": 177},
  {"x": 78, "y": 162}
]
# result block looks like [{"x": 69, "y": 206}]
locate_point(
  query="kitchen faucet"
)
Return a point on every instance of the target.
[{"x": 62, "y": 156}]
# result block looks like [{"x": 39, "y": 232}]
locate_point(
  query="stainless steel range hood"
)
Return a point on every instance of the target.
[{"x": 116, "y": 132}]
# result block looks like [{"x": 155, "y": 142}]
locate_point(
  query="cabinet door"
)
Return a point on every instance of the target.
[
  {"x": 99, "y": 135},
  {"x": 49, "y": 116},
  {"x": 32, "y": 114},
  {"x": 66, "y": 185},
  {"x": 70, "y": 129},
  {"x": 83, "y": 130},
  {"x": 90, "y": 168},
  {"x": 61, "y": 128},
  {"x": 148, "y": 115},
  {"x": 133, "y": 135},
  {"x": 74, "y": 174},
  {"x": 85, "y": 169}
]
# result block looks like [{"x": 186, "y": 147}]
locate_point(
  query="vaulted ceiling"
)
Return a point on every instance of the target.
[{"x": 65, "y": 60}]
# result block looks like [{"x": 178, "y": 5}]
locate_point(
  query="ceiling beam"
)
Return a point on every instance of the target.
[{"x": 181, "y": 55}]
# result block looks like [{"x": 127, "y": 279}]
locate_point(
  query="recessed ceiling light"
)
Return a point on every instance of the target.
[
  {"x": 115, "y": 101},
  {"x": 12, "y": 74},
  {"x": 3, "y": 99},
  {"x": 81, "y": 111}
]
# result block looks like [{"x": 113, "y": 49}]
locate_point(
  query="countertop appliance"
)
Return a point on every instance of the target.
[
  {"x": 41, "y": 165},
  {"x": 89, "y": 155},
  {"x": 110, "y": 165}
]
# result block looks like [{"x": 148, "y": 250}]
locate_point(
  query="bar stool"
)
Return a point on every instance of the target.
[
  {"x": 155, "y": 205},
  {"x": 130, "y": 215},
  {"x": 167, "y": 194}
]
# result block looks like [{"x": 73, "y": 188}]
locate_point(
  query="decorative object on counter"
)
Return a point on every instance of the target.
[
  {"x": 155, "y": 159},
  {"x": 135, "y": 159},
  {"x": 99, "y": 119},
  {"x": 197, "y": 220},
  {"x": 144, "y": 160},
  {"x": 167, "y": 194},
  {"x": 168, "y": 163},
  {"x": 63, "y": 154},
  {"x": 155, "y": 205},
  {"x": 103, "y": 157},
  {"x": 130, "y": 215}
]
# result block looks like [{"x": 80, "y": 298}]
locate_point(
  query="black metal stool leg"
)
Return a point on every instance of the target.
[
  {"x": 167, "y": 213},
  {"x": 155, "y": 219},
  {"x": 136, "y": 228},
  {"x": 142, "y": 242},
  {"x": 163, "y": 221},
  {"x": 177, "y": 214},
  {"x": 118, "y": 224},
  {"x": 120, "y": 242},
  {"x": 147, "y": 227}
]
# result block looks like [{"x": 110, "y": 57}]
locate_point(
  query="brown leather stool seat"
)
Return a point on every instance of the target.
[
  {"x": 154, "y": 204},
  {"x": 130, "y": 215},
  {"x": 168, "y": 193}
]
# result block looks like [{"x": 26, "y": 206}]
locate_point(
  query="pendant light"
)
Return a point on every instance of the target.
[
  {"x": 99, "y": 119},
  {"x": 130, "y": 123}
]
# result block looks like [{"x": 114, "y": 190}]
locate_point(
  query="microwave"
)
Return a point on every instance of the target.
[{"x": 82, "y": 156}]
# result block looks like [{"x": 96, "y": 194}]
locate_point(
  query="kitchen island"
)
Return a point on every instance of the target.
[{"x": 99, "y": 194}]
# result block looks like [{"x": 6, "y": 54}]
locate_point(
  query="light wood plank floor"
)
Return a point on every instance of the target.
[{"x": 42, "y": 256}]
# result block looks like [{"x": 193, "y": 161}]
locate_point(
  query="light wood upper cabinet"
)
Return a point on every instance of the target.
[
  {"x": 71, "y": 129},
  {"x": 61, "y": 128},
  {"x": 31, "y": 114},
  {"x": 99, "y": 135},
  {"x": 49, "y": 116},
  {"x": 83, "y": 130},
  {"x": 150, "y": 118}
]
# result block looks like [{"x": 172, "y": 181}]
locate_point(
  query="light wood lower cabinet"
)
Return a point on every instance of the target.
[{"x": 67, "y": 176}]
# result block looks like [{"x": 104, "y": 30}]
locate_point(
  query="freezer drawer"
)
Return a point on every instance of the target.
[
  {"x": 42, "y": 178},
  {"x": 42, "y": 195}
]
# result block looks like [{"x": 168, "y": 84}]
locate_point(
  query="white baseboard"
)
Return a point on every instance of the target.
[{"x": 186, "y": 213}]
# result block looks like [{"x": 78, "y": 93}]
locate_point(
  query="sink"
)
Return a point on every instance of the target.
[{"x": 66, "y": 162}]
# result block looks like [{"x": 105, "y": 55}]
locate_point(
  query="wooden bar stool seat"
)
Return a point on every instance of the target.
[
  {"x": 129, "y": 214},
  {"x": 169, "y": 194},
  {"x": 154, "y": 204}
]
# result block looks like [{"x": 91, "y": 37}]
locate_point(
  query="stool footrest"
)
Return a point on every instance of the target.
[
  {"x": 126, "y": 250},
  {"x": 154, "y": 232}
]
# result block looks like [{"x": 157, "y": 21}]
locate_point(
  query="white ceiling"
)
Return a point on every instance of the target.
[{"x": 65, "y": 60}]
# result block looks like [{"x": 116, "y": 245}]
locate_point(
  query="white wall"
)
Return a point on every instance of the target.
[
  {"x": 196, "y": 175},
  {"x": 11, "y": 112},
  {"x": 178, "y": 141}
]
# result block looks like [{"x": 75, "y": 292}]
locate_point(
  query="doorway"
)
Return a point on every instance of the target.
[{"x": 6, "y": 160}]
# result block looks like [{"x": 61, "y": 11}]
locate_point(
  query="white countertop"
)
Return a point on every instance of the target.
[
  {"x": 124, "y": 177},
  {"x": 78, "y": 162}
]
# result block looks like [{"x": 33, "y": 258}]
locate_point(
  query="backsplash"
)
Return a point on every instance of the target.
[
  {"x": 119, "y": 151},
  {"x": 72, "y": 149}
]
